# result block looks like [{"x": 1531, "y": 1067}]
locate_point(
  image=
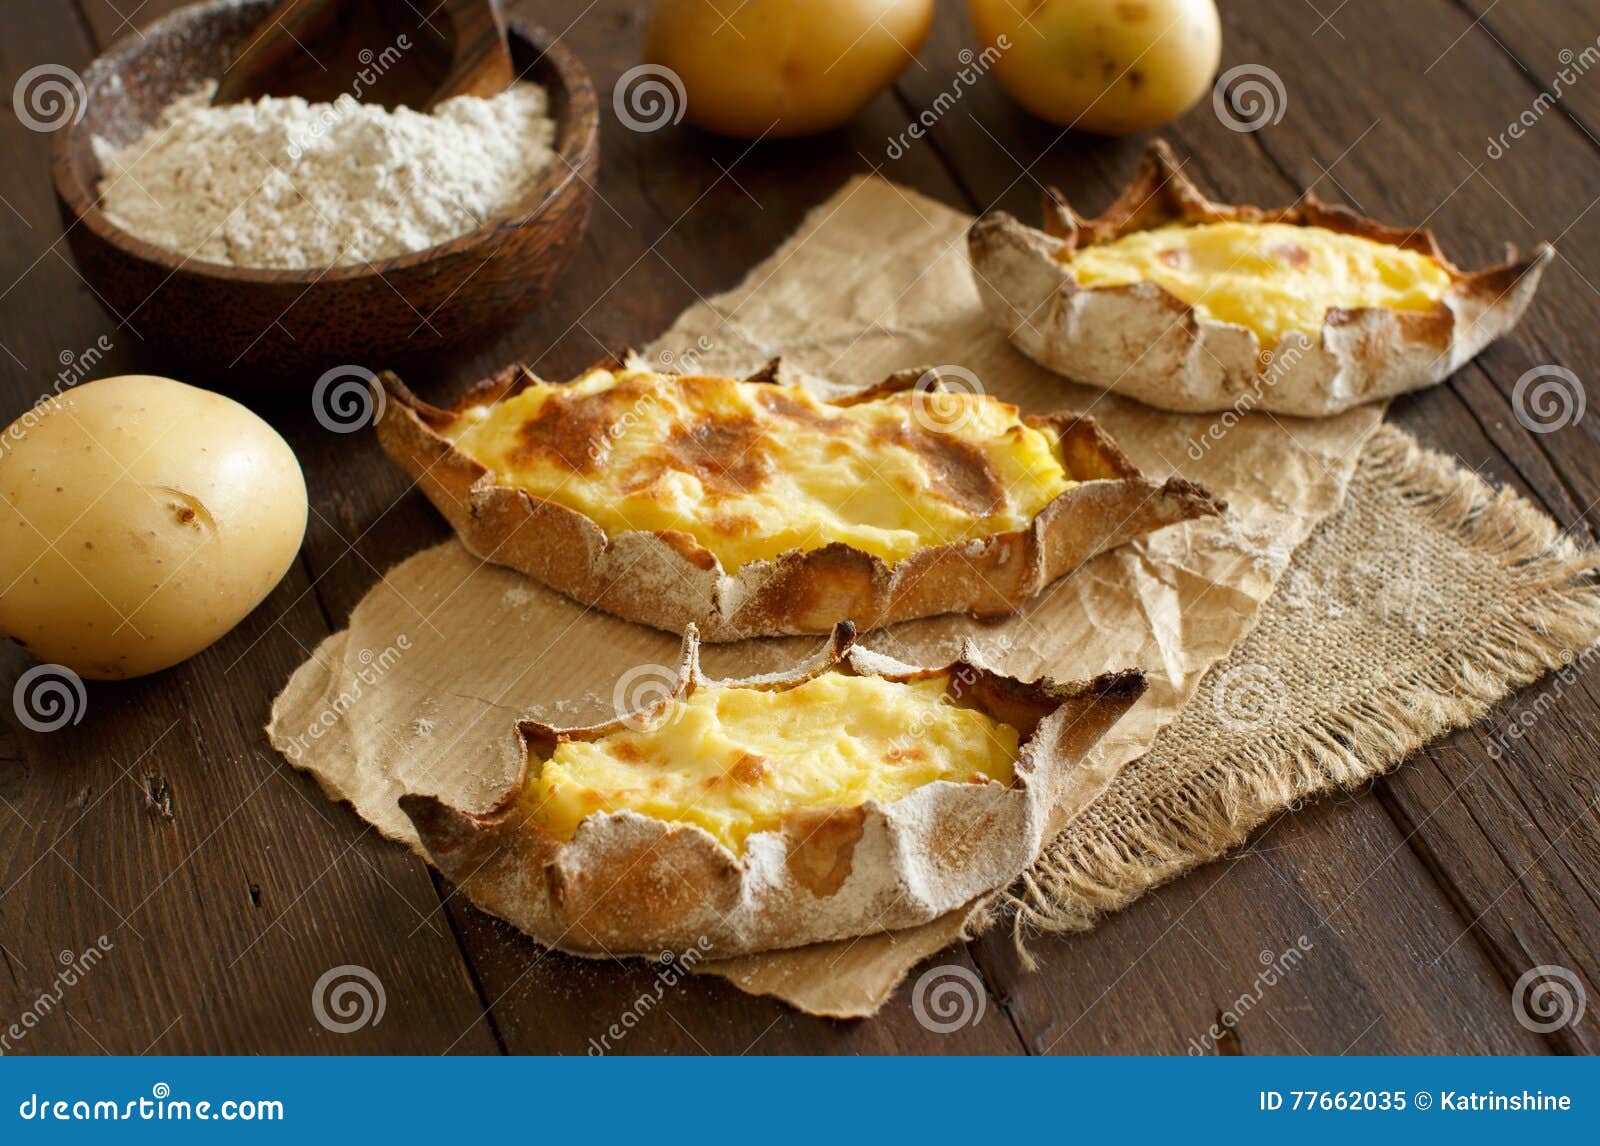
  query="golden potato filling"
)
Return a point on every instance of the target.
[
  {"x": 751, "y": 470},
  {"x": 740, "y": 760},
  {"x": 1270, "y": 277}
]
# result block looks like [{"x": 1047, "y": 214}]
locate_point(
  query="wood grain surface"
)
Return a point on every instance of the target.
[{"x": 226, "y": 885}]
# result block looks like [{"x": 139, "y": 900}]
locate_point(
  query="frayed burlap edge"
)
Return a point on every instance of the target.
[{"x": 1133, "y": 839}]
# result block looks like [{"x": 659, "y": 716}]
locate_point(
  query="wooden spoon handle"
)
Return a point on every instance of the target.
[
  {"x": 481, "y": 63},
  {"x": 325, "y": 49},
  {"x": 292, "y": 24}
]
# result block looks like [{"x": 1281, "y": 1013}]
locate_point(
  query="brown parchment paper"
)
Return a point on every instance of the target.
[{"x": 444, "y": 655}]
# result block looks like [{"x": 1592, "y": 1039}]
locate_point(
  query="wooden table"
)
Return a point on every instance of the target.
[{"x": 227, "y": 885}]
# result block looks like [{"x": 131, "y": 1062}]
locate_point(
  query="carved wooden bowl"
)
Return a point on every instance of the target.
[{"x": 282, "y": 326}]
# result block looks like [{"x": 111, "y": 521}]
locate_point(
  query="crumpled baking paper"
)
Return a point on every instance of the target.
[{"x": 423, "y": 691}]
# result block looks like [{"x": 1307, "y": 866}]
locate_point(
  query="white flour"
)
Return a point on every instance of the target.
[{"x": 288, "y": 184}]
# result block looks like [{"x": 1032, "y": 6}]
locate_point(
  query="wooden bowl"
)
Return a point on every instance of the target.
[{"x": 253, "y": 324}]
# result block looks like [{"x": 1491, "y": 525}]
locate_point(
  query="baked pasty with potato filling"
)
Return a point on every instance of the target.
[
  {"x": 851, "y": 794},
  {"x": 752, "y": 508},
  {"x": 1191, "y": 305}
]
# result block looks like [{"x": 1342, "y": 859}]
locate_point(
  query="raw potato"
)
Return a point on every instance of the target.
[
  {"x": 1110, "y": 66},
  {"x": 140, "y": 520},
  {"x": 748, "y": 66}
]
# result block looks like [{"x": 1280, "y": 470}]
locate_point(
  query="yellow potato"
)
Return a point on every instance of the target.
[
  {"x": 140, "y": 520},
  {"x": 748, "y": 66},
  {"x": 1109, "y": 66}
]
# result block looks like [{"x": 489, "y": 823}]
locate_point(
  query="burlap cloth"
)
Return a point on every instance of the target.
[
  {"x": 1411, "y": 609},
  {"x": 1425, "y": 599}
]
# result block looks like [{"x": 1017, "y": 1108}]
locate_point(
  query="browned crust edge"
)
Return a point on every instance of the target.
[
  {"x": 668, "y": 580},
  {"x": 1020, "y": 275},
  {"x": 630, "y": 884}
]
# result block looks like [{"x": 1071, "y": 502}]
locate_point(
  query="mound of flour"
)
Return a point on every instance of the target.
[{"x": 289, "y": 184}]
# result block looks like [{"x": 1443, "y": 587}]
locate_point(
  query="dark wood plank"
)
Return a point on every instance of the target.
[
  {"x": 1546, "y": 915},
  {"x": 225, "y": 884},
  {"x": 1554, "y": 45},
  {"x": 683, "y": 215},
  {"x": 1004, "y": 157},
  {"x": 1319, "y": 896},
  {"x": 554, "y": 1003},
  {"x": 1557, "y": 46},
  {"x": 1514, "y": 840},
  {"x": 1540, "y": 188},
  {"x": 1499, "y": 817}
]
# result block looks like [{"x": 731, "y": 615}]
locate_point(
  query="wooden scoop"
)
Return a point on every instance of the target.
[{"x": 379, "y": 51}]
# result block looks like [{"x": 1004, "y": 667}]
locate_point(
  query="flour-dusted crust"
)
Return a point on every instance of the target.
[
  {"x": 630, "y": 884},
  {"x": 668, "y": 580},
  {"x": 1141, "y": 340}
]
